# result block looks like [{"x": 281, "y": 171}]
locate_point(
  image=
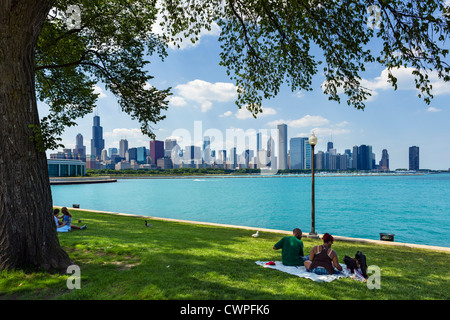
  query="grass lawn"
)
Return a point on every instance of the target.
[{"x": 122, "y": 259}]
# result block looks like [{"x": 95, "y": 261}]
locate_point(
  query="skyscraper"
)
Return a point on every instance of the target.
[
  {"x": 206, "y": 143},
  {"x": 282, "y": 147},
  {"x": 300, "y": 151},
  {"x": 169, "y": 144},
  {"x": 362, "y": 157},
  {"x": 156, "y": 150},
  {"x": 97, "y": 141},
  {"x": 233, "y": 158},
  {"x": 414, "y": 158},
  {"x": 384, "y": 162},
  {"x": 296, "y": 153},
  {"x": 329, "y": 146},
  {"x": 141, "y": 155},
  {"x": 123, "y": 147},
  {"x": 308, "y": 154},
  {"x": 259, "y": 142},
  {"x": 112, "y": 151},
  {"x": 80, "y": 149}
]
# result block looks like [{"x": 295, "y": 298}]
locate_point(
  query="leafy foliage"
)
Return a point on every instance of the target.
[
  {"x": 103, "y": 41},
  {"x": 268, "y": 43},
  {"x": 265, "y": 44}
]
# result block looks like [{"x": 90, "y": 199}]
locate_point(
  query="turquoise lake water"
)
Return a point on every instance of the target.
[{"x": 415, "y": 208}]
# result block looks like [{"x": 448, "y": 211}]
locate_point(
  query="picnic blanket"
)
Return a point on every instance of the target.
[
  {"x": 63, "y": 229},
  {"x": 302, "y": 273}
]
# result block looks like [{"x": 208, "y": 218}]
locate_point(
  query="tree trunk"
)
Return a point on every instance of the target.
[{"x": 28, "y": 236}]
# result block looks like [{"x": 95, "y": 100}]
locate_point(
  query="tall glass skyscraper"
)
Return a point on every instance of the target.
[
  {"x": 300, "y": 153},
  {"x": 282, "y": 147},
  {"x": 362, "y": 157},
  {"x": 123, "y": 147},
  {"x": 414, "y": 158},
  {"x": 156, "y": 150},
  {"x": 297, "y": 152},
  {"x": 97, "y": 141},
  {"x": 141, "y": 155}
]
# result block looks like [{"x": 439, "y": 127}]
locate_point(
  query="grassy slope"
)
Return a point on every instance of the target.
[{"x": 122, "y": 259}]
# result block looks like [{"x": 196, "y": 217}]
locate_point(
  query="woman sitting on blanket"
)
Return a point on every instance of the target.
[{"x": 323, "y": 259}]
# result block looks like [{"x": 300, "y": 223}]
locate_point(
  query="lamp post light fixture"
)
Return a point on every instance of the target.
[{"x": 312, "y": 142}]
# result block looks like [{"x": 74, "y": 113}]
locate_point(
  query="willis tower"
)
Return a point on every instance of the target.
[{"x": 97, "y": 141}]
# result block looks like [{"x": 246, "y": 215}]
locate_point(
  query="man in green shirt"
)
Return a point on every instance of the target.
[{"x": 291, "y": 249}]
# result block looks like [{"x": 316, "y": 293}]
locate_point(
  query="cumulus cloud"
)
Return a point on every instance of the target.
[
  {"x": 306, "y": 121},
  {"x": 327, "y": 132},
  {"x": 204, "y": 93},
  {"x": 433, "y": 109},
  {"x": 177, "y": 101},
  {"x": 405, "y": 81},
  {"x": 101, "y": 93},
  {"x": 226, "y": 114},
  {"x": 244, "y": 113},
  {"x": 133, "y": 135}
]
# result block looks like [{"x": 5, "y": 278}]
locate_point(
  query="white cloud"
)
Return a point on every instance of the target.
[
  {"x": 324, "y": 133},
  {"x": 134, "y": 136},
  {"x": 205, "y": 93},
  {"x": 226, "y": 114},
  {"x": 306, "y": 121},
  {"x": 433, "y": 109},
  {"x": 177, "y": 101},
  {"x": 100, "y": 91},
  {"x": 299, "y": 94},
  {"x": 405, "y": 81},
  {"x": 327, "y": 132},
  {"x": 244, "y": 113},
  {"x": 207, "y": 105},
  {"x": 123, "y": 133},
  {"x": 201, "y": 91}
]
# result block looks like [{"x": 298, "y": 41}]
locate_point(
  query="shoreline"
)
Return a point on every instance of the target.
[
  {"x": 79, "y": 180},
  {"x": 306, "y": 235},
  {"x": 317, "y": 175}
]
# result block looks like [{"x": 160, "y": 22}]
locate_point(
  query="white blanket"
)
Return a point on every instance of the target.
[{"x": 301, "y": 272}]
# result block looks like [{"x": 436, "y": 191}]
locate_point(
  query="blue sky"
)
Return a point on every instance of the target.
[{"x": 202, "y": 92}]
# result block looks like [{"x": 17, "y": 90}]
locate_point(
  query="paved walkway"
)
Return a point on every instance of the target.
[{"x": 390, "y": 243}]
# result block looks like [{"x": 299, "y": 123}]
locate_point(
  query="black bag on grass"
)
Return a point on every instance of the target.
[
  {"x": 362, "y": 261},
  {"x": 350, "y": 263}
]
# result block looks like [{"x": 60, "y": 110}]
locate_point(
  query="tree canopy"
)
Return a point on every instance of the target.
[
  {"x": 85, "y": 42},
  {"x": 265, "y": 44}
]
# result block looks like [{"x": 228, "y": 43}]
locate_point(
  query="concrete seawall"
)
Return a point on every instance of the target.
[{"x": 64, "y": 181}]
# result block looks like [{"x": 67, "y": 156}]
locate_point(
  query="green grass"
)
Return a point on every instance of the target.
[{"x": 122, "y": 259}]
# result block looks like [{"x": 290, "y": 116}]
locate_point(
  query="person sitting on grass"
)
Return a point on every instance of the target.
[
  {"x": 291, "y": 249},
  {"x": 60, "y": 226},
  {"x": 323, "y": 259},
  {"x": 67, "y": 220}
]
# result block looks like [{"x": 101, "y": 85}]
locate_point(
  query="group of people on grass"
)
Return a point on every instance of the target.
[
  {"x": 64, "y": 222},
  {"x": 321, "y": 260}
]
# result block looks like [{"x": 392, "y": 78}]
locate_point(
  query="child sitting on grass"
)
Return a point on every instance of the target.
[{"x": 67, "y": 219}]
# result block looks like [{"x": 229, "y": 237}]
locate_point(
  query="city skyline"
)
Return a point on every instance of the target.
[
  {"x": 392, "y": 120},
  {"x": 263, "y": 152}
]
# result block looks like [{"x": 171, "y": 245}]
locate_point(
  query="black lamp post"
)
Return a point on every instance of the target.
[{"x": 312, "y": 142}]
